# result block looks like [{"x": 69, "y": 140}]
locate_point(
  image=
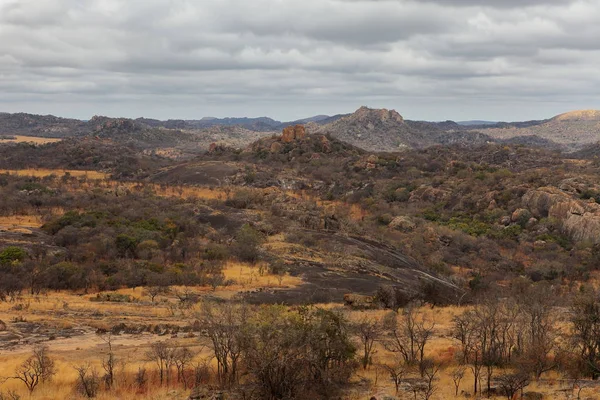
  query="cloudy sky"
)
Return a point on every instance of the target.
[{"x": 432, "y": 59}]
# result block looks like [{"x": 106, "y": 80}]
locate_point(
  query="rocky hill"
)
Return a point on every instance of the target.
[
  {"x": 387, "y": 130},
  {"x": 41, "y": 125},
  {"x": 573, "y": 129}
]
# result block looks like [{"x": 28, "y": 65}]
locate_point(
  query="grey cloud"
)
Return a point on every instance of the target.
[{"x": 291, "y": 59}]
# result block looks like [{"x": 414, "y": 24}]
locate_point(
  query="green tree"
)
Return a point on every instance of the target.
[
  {"x": 247, "y": 244},
  {"x": 12, "y": 254}
]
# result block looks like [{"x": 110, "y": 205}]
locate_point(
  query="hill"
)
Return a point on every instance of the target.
[
  {"x": 387, "y": 130},
  {"x": 573, "y": 129},
  {"x": 40, "y": 125}
]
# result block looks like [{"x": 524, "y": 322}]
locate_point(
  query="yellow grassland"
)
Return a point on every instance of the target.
[
  {"x": 43, "y": 172},
  {"x": 23, "y": 221},
  {"x": 67, "y": 310},
  {"x": 28, "y": 139}
]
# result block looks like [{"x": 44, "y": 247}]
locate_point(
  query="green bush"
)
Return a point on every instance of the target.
[{"x": 11, "y": 254}]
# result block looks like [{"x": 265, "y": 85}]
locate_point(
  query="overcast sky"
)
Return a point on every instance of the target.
[{"x": 432, "y": 60}]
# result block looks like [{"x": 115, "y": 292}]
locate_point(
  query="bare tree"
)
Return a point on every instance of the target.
[
  {"x": 223, "y": 327},
  {"x": 154, "y": 291},
  {"x": 397, "y": 372},
  {"x": 10, "y": 395},
  {"x": 430, "y": 372},
  {"x": 141, "y": 378},
  {"x": 457, "y": 375},
  {"x": 539, "y": 341},
  {"x": 368, "y": 331},
  {"x": 585, "y": 319},
  {"x": 511, "y": 384},
  {"x": 88, "y": 380},
  {"x": 162, "y": 354},
  {"x": 182, "y": 357},
  {"x": 38, "y": 368},
  {"x": 409, "y": 336},
  {"x": 109, "y": 363}
]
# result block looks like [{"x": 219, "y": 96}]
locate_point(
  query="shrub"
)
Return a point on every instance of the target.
[{"x": 11, "y": 254}]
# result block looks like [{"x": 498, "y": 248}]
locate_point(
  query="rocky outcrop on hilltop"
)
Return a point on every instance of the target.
[
  {"x": 386, "y": 130},
  {"x": 292, "y": 133},
  {"x": 579, "y": 219}
]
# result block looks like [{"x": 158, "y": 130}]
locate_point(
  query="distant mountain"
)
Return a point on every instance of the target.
[
  {"x": 41, "y": 125},
  {"x": 370, "y": 129},
  {"x": 476, "y": 123},
  {"x": 574, "y": 129}
]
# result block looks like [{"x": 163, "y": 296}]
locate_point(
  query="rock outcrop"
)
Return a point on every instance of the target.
[
  {"x": 403, "y": 223},
  {"x": 292, "y": 133},
  {"x": 428, "y": 193},
  {"x": 580, "y": 220}
]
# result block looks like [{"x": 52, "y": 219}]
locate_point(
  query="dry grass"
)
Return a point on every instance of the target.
[
  {"x": 248, "y": 277},
  {"x": 42, "y": 172},
  {"x": 23, "y": 221},
  {"x": 28, "y": 139},
  {"x": 131, "y": 348}
]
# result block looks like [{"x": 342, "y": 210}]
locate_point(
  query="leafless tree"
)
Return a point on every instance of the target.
[
  {"x": 154, "y": 291},
  {"x": 141, "y": 378},
  {"x": 88, "y": 380},
  {"x": 162, "y": 354},
  {"x": 182, "y": 357},
  {"x": 223, "y": 328},
  {"x": 368, "y": 331},
  {"x": 409, "y": 335},
  {"x": 585, "y": 319},
  {"x": 397, "y": 372},
  {"x": 38, "y": 368},
  {"x": 430, "y": 372},
  {"x": 511, "y": 384},
  {"x": 457, "y": 375},
  {"x": 539, "y": 323},
  {"x": 10, "y": 395},
  {"x": 109, "y": 363}
]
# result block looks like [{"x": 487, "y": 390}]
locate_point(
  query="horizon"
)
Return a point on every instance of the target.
[{"x": 457, "y": 120}]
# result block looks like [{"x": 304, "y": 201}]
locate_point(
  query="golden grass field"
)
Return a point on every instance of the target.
[
  {"x": 42, "y": 172},
  {"x": 25, "y": 221},
  {"x": 68, "y": 309},
  {"x": 29, "y": 139},
  {"x": 76, "y": 310}
]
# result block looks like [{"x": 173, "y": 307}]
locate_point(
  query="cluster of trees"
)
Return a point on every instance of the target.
[
  {"x": 120, "y": 240},
  {"x": 268, "y": 353},
  {"x": 278, "y": 352}
]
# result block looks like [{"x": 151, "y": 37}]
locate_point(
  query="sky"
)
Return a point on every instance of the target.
[{"x": 433, "y": 60}]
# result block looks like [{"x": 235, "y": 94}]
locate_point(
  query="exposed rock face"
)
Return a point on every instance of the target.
[
  {"x": 2, "y": 326},
  {"x": 326, "y": 144},
  {"x": 358, "y": 301},
  {"x": 292, "y": 133},
  {"x": 428, "y": 193},
  {"x": 276, "y": 147},
  {"x": 520, "y": 214},
  {"x": 365, "y": 114},
  {"x": 580, "y": 220},
  {"x": 403, "y": 223}
]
